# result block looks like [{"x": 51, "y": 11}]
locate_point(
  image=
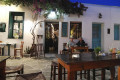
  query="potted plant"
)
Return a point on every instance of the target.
[
  {"x": 27, "y": 50},
  {"x": 97, "y": 50},
  {"x": 111, "y": 50},
  {"x": 118, "y": 51}
]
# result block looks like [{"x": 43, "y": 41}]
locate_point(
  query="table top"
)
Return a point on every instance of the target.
[
  {"x": 2, "y": 58},
  {"x": 86, "y": 57},
  {"x": 79, "y": 46},
  {"x": 6, "y": 43}
]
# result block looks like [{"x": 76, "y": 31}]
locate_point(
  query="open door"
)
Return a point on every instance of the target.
[{"x": 51, "y": 37}]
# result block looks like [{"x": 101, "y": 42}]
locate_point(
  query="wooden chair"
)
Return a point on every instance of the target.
[
  {"x": 14, "y": 69},
  {"x": 19, "y": 49},
  {"x": 54, "y": 67},
  {"x": 65, "y": 51},
  {"x": 31, "y": 76},
  {"x": 39, "y": 50}
]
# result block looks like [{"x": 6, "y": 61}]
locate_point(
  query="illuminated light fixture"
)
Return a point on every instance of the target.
[{"x": 52, "y": 15}]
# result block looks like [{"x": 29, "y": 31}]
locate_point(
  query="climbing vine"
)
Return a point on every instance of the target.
[{"x": 61, "y": 6}]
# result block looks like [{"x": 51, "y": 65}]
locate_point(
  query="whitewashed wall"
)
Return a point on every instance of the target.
[
  {"x": 110, "y": 16},
  {"x": 4, "y": 17}
]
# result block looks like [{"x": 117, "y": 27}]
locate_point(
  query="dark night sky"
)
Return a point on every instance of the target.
[{"x": 100, "y": 2}]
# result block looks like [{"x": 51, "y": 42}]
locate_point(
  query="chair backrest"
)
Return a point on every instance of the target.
[
  {"x": 64, "y": 45},
  {"x": 21, "y": 46},
  {"x": 65, "y": 49},
  {"x": 39, "y": 48},
  {"x": 0, "y": 41},
  {"x": 31, "y": 76}
]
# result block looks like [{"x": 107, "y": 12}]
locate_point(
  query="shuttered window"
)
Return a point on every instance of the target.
[
  {"x": 16, "y": 25},
  {"x": 116, "y": 32}
]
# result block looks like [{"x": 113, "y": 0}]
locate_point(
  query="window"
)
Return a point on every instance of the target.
[
  {"x": 16, "y": 25},
  {"x": 75, "y": 29},
  {"x": 116, "y": 32},
  {"x": 2, "y": 27}
]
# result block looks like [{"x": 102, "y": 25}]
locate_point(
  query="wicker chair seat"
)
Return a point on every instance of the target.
[
  {"x": 14, "y": 69},
  {"x": 31, "y": 76}
]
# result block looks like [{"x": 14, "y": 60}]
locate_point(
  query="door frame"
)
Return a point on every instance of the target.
[
  {"x": 102, "y": 34},
  {"x": 45, "y": 30}
]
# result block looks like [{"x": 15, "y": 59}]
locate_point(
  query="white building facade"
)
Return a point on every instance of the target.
[{"x": 110, "y": 18}]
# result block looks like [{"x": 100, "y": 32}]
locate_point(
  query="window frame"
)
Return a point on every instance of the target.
[
  {"x": 117, "y": 37},
  {"x": 80, "y": 24},
  {"x": 12, "y": 20}
]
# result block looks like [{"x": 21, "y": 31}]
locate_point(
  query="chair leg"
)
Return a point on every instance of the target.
[
  {"x": 51, "y": 72},
  {"x": 76, "y": 75},
  {"x": 85, "y": 74},
  {"x": 54, "y": 73},
  {"x": 80, "y": 74},
  {"x": 0, "y": 51},
  {"x": 64, "y": 74},
  {"x": 103, "y": 74},
  {"x": 93, "y": 74},
  {"x": 22, "y": 70},
  {"x": 21, "y": 53},
  {"x": 88, "y": 74},
  {"x": 15, "y": 54}
]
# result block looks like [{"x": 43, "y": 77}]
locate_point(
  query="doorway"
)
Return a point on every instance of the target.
[
  {"x": 51, "y": 37},
  {"x": 96, "y": 35}
]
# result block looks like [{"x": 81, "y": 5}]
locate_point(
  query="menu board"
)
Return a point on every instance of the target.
[{"x": 64, "y": 29}]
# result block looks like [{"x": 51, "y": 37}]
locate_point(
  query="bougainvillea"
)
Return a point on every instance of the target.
[{"x": 61, "y": 6}]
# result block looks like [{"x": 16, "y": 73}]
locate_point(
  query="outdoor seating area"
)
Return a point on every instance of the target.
[
  {"x": 59, "y": 40},
  {"x": 31, "y": 66}
]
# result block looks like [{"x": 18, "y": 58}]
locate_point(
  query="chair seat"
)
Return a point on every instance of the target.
[
  {"x": 54, "y": 63},
  {"x": 31, "y": 76},
  {"x": 14, "y": 69},
  {"x": 18, "y": 49}
]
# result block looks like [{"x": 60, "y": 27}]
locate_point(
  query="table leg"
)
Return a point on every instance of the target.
[
  {"x": 2, "y": 70},
  {"x": 103, "y": 74},
  {"x": 88, "y": 74},
  {"x": 93, "y": 74},
  {"x": 112, "y": 71},
  {"x": 8, "y": 49},
  {"x": 118, "y": 73},
  {"x": 71, "y": 75},
  {"x": 3, "y": 51},
  {"x": 59, "y": 71}
]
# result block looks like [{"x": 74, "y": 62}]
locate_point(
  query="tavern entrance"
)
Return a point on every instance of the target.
[{"x": 51, "y": 37}]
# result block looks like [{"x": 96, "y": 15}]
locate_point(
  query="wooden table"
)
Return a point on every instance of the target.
[
  {"x": 80, "y": 47},
  {"x": 86, "y": 61},
  {"x": 2, "y": 67},
  {"x": 2, "y": 45}
]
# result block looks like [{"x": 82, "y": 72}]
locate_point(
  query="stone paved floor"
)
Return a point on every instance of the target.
[
  {"x": 32, "y": 65},
  {"x": 42, "y": 64}
]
